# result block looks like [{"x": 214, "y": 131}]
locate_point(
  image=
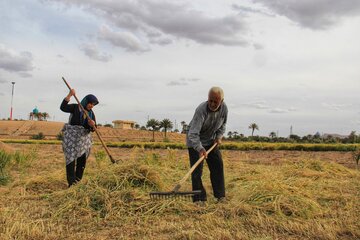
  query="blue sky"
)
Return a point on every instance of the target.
[{"x": 281, "y": 63}]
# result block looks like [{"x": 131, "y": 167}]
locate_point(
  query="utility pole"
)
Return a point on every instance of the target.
[{"x": 12, "y": 96}]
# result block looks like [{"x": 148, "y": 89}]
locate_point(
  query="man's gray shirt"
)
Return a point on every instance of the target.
[{"x": 206, "y": 126}]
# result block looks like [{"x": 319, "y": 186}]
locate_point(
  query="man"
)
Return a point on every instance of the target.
[{"x": 206, "y": 128}]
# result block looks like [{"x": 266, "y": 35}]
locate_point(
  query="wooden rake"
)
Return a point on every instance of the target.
[
  {"x": 96, "y": 131},
  {"x": 175, "y": 193}
]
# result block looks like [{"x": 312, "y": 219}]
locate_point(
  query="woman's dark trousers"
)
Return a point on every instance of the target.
[{"x": 75, "y": 170}]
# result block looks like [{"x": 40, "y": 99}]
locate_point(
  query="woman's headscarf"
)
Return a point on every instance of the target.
[{"x": 88, "y": 99}]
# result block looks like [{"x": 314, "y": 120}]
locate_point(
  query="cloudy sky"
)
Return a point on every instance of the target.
[{"x": 281, "y": 63}]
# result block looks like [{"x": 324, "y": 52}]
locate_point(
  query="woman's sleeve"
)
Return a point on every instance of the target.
[{"x": 66, "y": 107}]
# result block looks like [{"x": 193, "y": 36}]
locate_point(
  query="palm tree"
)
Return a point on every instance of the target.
[
  {"x": 38, "y": 116},
  {"x": 154, "y": 125},
  {"x": 166, "y": 124},
  {"x": 230, "y": 134},
  {"x": 184, "y": 127},
  {"x": 352, "y": 137},
  {"x": 254, "y": 127},
  {"x": 235, "y": 134},
  {"x": 272, "y": 135},
  {"x": 45, "y": 116}
]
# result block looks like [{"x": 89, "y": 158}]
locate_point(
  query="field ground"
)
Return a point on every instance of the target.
[
  {"x": 25, "y": 129},
  {"x": 271, "y": 195}
]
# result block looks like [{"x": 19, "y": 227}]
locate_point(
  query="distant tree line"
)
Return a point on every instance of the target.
[{"x": 293, "y": 138}]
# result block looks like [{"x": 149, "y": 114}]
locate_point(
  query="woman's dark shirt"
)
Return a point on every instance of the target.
[{"x": 75, "y": 118}]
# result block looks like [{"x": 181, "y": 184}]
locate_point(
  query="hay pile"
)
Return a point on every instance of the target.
[{"x": 302, "y": 199}]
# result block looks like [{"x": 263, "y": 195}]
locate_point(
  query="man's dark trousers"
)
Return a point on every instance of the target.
[{"x": 215, "y": 164}]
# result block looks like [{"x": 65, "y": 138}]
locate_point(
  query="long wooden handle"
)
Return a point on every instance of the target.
[
  {"x": 96, "y": 131},
  {"x": 177, "y": 187}
]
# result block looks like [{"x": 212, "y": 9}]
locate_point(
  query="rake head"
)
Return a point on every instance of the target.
[
  {"x": 113, "y": 160},
  {"x": 174, "y": 194}
]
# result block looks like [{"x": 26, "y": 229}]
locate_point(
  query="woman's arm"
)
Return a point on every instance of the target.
[{"x": 65, "y": 106}]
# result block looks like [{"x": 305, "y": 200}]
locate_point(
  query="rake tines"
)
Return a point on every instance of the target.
[{"x": 174, "y": 194}]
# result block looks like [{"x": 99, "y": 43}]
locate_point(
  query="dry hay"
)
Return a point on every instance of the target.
[
  {"x": 6, "y": 148},
  {"x": 111, "y": 192},
  {"x": 303, "y": 199},
  {"x": 42, "y": 185}
]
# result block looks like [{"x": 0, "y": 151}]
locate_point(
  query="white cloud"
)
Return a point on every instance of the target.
[
  {"x": 126, "y": 40},
  {"x": 42, "y": 100},
  {"x": 256, "y": 105},
  {"x": 335, "y": 106},
  {"x": 161, "y": 41},
  {"x": 320, "y": 14},
  {"x": 258, "y": 46},
  {"x": 12, "y": 61},
  {"x": 244, "y": 9},
  {"x": 161, "y": 20},
  {"x": 25, "y": 74},
  {"x": 201, "y": 38},
  {"x": 92, "y": 51},
  {"x": 281, "y": 110},
  {"x": 183, "y": 81}
]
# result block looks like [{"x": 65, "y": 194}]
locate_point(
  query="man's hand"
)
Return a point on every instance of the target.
[
  {"x": 218, "y": 141},
  {"x": 203, "y": 153}
]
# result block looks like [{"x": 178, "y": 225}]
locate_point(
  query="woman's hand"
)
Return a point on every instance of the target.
[
  {"x": 71, "y": 93},
  {"x": 91, "y": 123}
]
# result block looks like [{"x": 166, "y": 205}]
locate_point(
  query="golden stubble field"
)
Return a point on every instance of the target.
[
  {"x": 271, "y": 195},
  {"x": 24, "y": 129}
]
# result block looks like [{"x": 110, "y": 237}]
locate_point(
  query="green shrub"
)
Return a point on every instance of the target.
[
  {"x": 60, "y": 136},
  {"x": 39, "y": 136}
]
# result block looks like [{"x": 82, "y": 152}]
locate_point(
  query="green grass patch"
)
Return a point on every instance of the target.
[{"x": 244, "y": 146}]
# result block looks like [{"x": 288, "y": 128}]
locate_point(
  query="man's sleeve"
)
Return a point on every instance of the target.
[
  {"x": 195, "y": 128},
  {"x": 221, "y": 131}
]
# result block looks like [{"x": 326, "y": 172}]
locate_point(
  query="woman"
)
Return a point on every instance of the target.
[{"x": 77, "y": 138}]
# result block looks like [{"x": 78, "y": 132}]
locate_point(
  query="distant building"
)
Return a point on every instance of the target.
[
  {"x": 124, "y": 124},
  {"x": 35, "y": 111}
]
